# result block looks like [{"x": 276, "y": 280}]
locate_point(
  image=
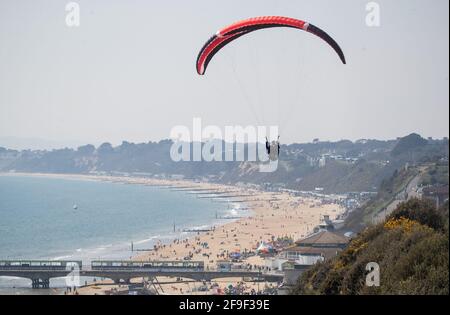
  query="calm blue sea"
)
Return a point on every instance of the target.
[{"x": 38, "y": 219}]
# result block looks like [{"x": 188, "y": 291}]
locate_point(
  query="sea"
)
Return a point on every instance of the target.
[{"x": 48, "y": 218}]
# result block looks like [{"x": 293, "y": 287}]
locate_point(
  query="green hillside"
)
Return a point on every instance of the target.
[
  {"x": 336, "y": 167},
  {"x": 411, "y": 247}
]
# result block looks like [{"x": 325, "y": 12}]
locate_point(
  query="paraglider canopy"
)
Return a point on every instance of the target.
[{"x": 238, "y": 29}]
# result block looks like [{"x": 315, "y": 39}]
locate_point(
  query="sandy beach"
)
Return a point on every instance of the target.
[{"x": 274, "y": 215}]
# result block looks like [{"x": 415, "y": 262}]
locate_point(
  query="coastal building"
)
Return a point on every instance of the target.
[
  {"x": 308, "y": 251},
  {"x": 329, "y": 225},
  {"x": 319, "y": 246},
  {"x": 325, "y": 225},
  {"x": 294, "y": 260}
]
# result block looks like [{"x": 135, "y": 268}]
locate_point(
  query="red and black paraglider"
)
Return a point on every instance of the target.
[
  {"x": 230, "y": 33},
  {"x": 238, "y": 29}
]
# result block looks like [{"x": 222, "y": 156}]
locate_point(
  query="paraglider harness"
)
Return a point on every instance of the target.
[{"x": 273, "y": 149}]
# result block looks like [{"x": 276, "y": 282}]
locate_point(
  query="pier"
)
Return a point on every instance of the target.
[
  {"x": 223, "y": 196},
  {"x": 40, "y": 274},
  {"x": 212, "y": 192},
  {"x": 197, "y": 230}
]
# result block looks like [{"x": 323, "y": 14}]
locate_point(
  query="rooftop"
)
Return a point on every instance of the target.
[{"x": 324, "y": 239}]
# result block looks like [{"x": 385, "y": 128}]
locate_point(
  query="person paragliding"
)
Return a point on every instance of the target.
[
  {"x": 273, "y": 149},
  {"x": 226, "y": 35}
]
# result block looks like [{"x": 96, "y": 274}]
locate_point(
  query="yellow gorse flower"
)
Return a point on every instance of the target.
[{"x": 402, "y": 223}]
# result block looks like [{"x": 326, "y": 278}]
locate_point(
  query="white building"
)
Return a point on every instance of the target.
[{"x": 306, "y": 252}]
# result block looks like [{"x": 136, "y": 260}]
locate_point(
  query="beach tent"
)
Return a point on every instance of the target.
[{"x": 264, "y": 248}]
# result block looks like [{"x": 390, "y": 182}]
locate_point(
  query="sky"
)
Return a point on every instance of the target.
[{"x": 127, "y": 72}]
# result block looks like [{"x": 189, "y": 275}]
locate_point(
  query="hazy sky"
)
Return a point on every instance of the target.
[{"x": 128, "y": 71}]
